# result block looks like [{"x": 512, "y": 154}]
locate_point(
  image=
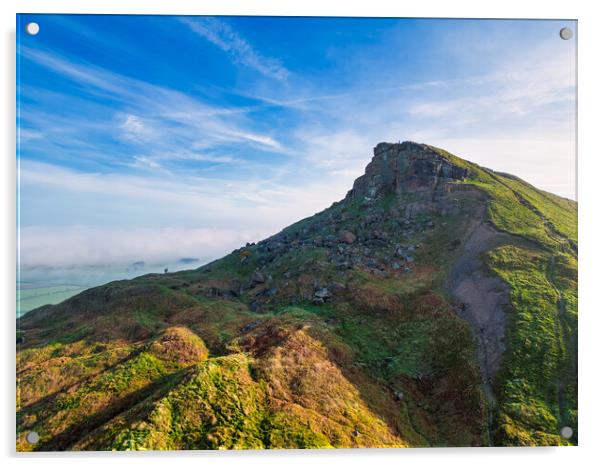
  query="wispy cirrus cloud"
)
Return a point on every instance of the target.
[
  {"x": 221, "y": 34},
  {"x": 159, "y": 123}
]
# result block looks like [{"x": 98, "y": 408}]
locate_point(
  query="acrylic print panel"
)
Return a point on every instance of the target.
[{"x": 261, "y": 232}]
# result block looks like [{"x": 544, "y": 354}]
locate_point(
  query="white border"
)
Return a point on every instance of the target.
[{"x": 590, "y": 199}]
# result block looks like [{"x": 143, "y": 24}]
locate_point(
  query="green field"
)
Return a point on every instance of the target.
[{"x": 30, "y": 298}]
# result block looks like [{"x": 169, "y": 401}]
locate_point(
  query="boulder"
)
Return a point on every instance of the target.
[
  {"x": 322, "y": 293},
  {"x": 255, "y": 306},
  {"x": 346, "y": 236},
  {"x": 330, "y": 239},
  {"x": 250, "y": 326},
  {"x": 258, "y": 278}
]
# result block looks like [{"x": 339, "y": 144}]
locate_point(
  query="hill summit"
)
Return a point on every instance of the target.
[
  {"x": 435, "y": 305},
  {"x": 403, "y": 168}
]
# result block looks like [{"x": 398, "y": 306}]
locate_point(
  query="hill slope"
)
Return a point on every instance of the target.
[{"x": 435, "y": 305}]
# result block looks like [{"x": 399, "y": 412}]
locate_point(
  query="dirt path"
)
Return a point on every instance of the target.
[{"x": 483, "y": 297}]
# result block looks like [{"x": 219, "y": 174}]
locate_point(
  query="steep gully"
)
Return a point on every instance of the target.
[{"x": 484, "y": 299}]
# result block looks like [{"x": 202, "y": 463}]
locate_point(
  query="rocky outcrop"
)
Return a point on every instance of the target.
[{"x": 402, "y": 168}]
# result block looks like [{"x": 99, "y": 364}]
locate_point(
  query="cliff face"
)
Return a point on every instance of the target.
[
  {"x": 405, "y": 168},
  {"x": 435, "y": 305}
]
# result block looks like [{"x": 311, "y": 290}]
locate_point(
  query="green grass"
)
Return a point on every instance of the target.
[
  {"x": 218, "y": 406},
  {"x": 160, "y": 362},
  {"x": 560, "y": 212},
  {"x": 518, "y": 208},
  {"x": 537, "y": 393}
]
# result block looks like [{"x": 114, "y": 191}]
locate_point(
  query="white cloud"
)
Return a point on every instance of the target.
[
  {"x": 159, "y": 119},
  {"x": 134, "y": 127},
  {"x": 75, "y": 246},
  {"x": 147, "y": 162},
  {"x": 221, "y": 34},
  {"x": 265, "y": 140},
  {"x": 255, "y": 203},
  {"x": 25, "y": 135}
]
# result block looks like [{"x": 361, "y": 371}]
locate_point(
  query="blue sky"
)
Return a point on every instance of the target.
[{"x": 149, "y": 137}]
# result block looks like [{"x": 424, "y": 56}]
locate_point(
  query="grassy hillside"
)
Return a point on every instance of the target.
[
  {"x": 340, "y": 331},
  {"x": 537, "y": 389}
]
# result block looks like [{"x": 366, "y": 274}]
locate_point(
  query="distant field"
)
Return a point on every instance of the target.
[
  {"x": 29, "y": 297},
  {"x": 40, "y": 286}
]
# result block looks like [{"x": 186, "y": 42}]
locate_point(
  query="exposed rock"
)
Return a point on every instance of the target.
[
  {"x": 336, "y": 287},
  {"x": 403, "y": 168},
  {"x": 329, "y": 240},
  {"x": 380, "y": 273},
  {"x": 258, "y": 278},
  {"x": 255, "y": 306},
  {"x": 250, "y": 326},
  {"x": 346, "y": 237},
  {"x": 322, "y": 293},
  {"x": 373, "y": 263}
]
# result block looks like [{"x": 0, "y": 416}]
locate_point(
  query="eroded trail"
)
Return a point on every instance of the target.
[
  {"x": 483, "y": 299},
  {"x": 483, "y": 296}
]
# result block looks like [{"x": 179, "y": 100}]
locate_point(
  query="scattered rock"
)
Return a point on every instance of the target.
[
  {"x": 255, "y": 306},
  {"x": 250, "y": 326},
  {"x": 329, "y": 241},
  {"x": 258, "y": 278},
  {"x": 322, "y": 293},
  {"x": 380, "y": 273},
  {"x": 346, "y": 237},
  {"x": 372, "y": 263}
]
